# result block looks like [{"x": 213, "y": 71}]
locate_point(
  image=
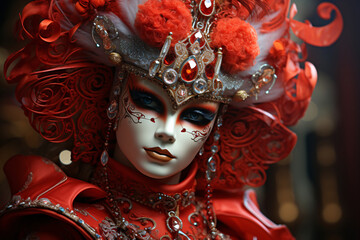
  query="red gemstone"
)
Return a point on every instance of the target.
[
  {"x": 209, "y": 71},
  {"x": 170, "y": 58},
  {"x": 189, "y": 70},
  {"x": 175, "y": 224},
  {"x": 183, "y": 130},
  {"x": 197, "y": 37},
  {"x": 152, "y": 119},
  {"x": 218, "y": 85},
  {"x": 207, "y": 7}
]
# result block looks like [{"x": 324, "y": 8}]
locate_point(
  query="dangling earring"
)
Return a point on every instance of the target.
[
  {"x": 112, "y": 113},
  {"x": 201, "y": 151},
  {"x": 210, "y": 174}
]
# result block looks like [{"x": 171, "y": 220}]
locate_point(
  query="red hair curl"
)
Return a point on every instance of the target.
[
  {"x": 84, "y": 7},
  {"x": 243, "y": 8},
  {"x": 156, "y": 19},
  {"x": 239, "y": 42}
]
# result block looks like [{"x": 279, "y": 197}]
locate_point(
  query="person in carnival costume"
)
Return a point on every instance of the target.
[{"x": 177, "y": 105}]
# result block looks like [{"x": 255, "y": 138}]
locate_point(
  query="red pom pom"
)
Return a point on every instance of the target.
[
  {"x": 239, "y": 42},
  {"x": 156, "y": 19}
]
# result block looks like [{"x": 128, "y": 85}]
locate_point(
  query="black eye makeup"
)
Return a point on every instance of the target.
[
  {"x": 197, "y": 116},
  {"x": 146, "y": 100}
]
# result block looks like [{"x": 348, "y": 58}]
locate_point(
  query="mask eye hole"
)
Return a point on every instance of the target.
[
  {"x": 146, "y": 100},
  {"x": 197, "y": 116}
]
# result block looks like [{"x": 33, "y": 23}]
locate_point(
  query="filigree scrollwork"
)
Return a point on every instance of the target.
[
  {"x": 109, "y": 229},
  {"x": 144, "y": 221},
  {"x": 250, "y": 141},
  {"x": 125, "y": 203},
  {"x": 163, "y": 202}
]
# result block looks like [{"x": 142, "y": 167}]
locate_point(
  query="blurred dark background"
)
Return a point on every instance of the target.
[{"x": 316, "y": 190}]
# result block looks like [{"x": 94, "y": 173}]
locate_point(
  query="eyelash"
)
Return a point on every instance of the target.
[
  {"x": 200, "y": 117},
  {"x": 146, "y": 100},
  {"x": 197, "y": 116}
]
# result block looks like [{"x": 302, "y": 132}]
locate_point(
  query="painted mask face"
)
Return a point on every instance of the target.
[{"x": 158, "y": 141}]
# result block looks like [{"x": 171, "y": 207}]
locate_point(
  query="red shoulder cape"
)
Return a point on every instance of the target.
[
  {"x": 240, "y": 214},
  {"x": 41, "y": 191}
]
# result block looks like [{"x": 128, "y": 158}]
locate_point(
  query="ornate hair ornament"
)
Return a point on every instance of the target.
[
  {"x": 264, "y": 76},
  {"x": 106, "y": 31},
  {"x": 189, "y": 68}
]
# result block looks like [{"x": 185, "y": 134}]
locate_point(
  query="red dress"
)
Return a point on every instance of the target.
[{"x": 49, "y": 205}]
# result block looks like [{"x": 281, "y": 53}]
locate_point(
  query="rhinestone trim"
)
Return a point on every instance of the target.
[{"x": 17, "y": 203}]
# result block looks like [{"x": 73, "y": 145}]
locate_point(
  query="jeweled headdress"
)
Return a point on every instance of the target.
[
  {"x": 231, "y": 51},
  {"x": 189, "y": 66}
]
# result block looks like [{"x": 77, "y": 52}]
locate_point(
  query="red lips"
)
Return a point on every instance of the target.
[{"x": 157, "y": 153}]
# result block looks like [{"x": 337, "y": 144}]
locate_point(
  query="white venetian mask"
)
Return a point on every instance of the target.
[{"x": 154, "y": 138}]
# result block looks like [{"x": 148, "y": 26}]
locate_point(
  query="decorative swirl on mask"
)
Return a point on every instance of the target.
[
  {"x": 198, "y": 135},
  {"x": 130, "y": 112}
]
